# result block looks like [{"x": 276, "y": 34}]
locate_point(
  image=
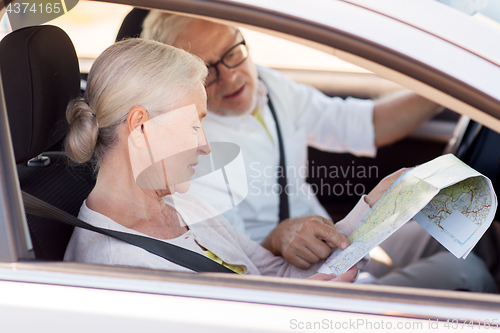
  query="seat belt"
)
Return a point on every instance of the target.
[
  {"x": 284, "y": 212},
  {"x": 170, "y": 252}
]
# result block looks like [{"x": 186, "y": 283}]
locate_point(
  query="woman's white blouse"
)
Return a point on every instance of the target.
[{"x": 214, "y": 234}]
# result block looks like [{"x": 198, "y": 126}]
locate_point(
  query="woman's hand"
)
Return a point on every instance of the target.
[
  {"x": 379, "y": 190},
  {"x": 348, "y": 276}
]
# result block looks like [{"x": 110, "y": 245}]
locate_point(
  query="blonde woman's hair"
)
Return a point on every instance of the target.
[
  {"x": 132, "y": 72},
  {"x": 164, "y": 27}
]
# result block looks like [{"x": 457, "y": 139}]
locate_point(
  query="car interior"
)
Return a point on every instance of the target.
[
  {"x": 40, "y": 75},
  {"x": 421, "y": 147}
]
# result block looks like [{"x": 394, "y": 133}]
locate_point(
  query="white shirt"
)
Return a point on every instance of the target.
[
  {"x": 306, "y": 117},
  {"x": 213, "y": 233}
]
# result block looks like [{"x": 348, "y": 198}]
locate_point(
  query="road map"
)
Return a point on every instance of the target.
[{"x": 450, "y": 200}]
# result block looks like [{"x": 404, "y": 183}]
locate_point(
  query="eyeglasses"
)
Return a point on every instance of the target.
[{"x": 234, "y": 57}]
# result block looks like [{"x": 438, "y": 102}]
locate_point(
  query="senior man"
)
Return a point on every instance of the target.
[{"x": 273, "y": 120}]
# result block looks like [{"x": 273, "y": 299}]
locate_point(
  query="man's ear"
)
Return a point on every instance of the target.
[{"x": 136, "y": 118}]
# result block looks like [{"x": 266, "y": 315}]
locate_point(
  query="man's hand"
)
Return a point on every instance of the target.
[{"x": 305, "y": 240}]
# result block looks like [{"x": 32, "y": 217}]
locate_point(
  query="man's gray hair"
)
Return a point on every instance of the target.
[{"x": 164, "y": 27}]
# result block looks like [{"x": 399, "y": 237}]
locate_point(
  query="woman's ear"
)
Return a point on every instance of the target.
[{"x": 136, "y": 118}]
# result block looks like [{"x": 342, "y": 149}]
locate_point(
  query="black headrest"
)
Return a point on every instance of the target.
[
  {"x": 40, "y": 75},
  {"x": 132, "y": 24}
]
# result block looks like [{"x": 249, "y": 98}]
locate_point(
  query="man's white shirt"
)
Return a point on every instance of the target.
[{"x": 306, "y": 117}]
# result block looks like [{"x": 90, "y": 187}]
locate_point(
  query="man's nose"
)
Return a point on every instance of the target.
[{"x": 226, "y": 74}]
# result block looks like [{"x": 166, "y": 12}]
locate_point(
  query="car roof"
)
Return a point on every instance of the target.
[{"x": 440, "y": 20}]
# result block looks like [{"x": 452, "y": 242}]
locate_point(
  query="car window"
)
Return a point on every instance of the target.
[
  {"x": 487, "y": 12},
  {"x": 92, "y": 27}
]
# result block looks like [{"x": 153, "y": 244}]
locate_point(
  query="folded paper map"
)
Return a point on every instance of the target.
[{"x": 449, "y": 199}]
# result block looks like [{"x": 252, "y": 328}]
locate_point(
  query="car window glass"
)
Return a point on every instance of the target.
[
  {"x": 93, "y": 26},
  {"x": 277, "y": 52},
  {"x": 483, "y": 10}
]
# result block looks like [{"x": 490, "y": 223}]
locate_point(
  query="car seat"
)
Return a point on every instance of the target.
[
  {"x": 40, "y": 75},
  {"x": 478, "y": 147},
  {"x": 132, "y": 24}
]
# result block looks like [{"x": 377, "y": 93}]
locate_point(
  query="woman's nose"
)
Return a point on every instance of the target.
[
  {"x": 203, "y": 145},
  {"x": 205, "y": 149}
]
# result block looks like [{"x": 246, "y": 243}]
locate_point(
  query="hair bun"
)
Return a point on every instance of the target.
[{"x": 83, "y": 131}]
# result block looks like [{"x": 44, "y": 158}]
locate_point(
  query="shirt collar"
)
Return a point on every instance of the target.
[{"x": 261, "y": 95}]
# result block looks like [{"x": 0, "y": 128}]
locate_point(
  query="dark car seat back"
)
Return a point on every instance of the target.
[
  {"x": 132, "y": 24},
  {"x": 480, "y": 149},
  {"x": 38, "y": 67},
  {"x": 40, "y": 75}
]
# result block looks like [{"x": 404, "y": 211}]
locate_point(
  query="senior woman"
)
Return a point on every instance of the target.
[{"x": 139, "y": 91}]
